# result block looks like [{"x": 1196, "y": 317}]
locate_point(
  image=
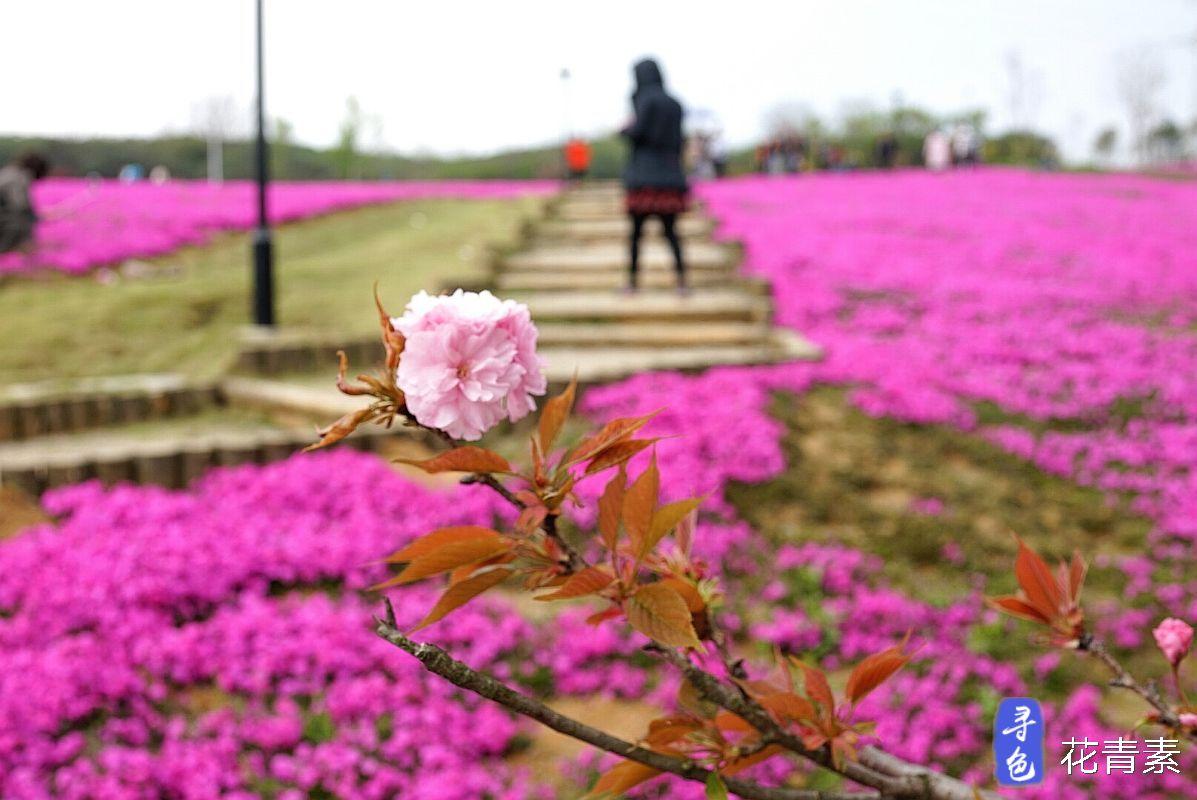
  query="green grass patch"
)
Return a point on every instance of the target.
[
  {"x": 185, "y": 315},
  {"x": 865, "y": 482}
]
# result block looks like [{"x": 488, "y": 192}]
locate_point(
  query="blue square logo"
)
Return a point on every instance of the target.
[{"x": 1018, "y": 742}]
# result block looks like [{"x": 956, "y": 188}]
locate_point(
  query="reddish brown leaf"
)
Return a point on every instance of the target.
[
  {"x": 610, "y": 507},
  {"x": 740, "y": 764},
  {"x": 531, "y": 517},
  {"x": 460, "y": 593},
  {"x": 614, "y": 431},
  {"x": 554, "y": 414},
  {"x": 639, "y": 503},
  {"x": 1076, "y": 576},
  {"x": 463, "y": 546},
  {"x": 728, "y": 722},
  {"x": 619, "y": 779},
  {"x": 818, "y": 690},
  {"x": 461, "y": 573},
  {"x": 580, "y": 584},
  {"x": 1037, "y": 581},
  {"x": 1016, "y": 607},
  {"x": 668, "y": 730},
  {"x": 660, "y": 613},
  {"x": 789, "y": 707},
  {"x": 665, "y": 519},
  {"x": 874, "y": 671},
  {"x": 430, "y": 542},
  {"x": 461, "y": 459},
  {"x": 602, "y": 616},
  {"x": 618, "y": 454},
  {"x": 689, "y": 593}
]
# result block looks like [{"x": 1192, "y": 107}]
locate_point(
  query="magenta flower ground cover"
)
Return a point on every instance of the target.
[
  {"x": 215, "y": 643},
  {"x": 87, "y": 225}
]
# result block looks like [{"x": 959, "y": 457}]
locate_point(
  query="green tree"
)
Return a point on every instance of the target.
[
  {"x": 346, "y": 153},
  {"x": 280, "y": 154},
  {"x": 1105, "y": 143}
]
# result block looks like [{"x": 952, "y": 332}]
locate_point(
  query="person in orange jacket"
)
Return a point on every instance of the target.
[{"x": 577, "y": 158}]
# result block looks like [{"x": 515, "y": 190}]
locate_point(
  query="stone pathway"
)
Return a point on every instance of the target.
[{"x": 575, "y": 265}]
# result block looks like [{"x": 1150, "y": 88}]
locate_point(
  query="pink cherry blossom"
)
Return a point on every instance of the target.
[
  {"x": 469, "y": 361},
  {"x": 1174, "y": 638}
]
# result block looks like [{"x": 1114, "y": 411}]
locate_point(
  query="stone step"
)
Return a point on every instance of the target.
[
  {"x": 729, "y": 304},
  {"x": 650, "y": 334},
  {"x": 170, "y": 455},
  {"x": 272, "y": 352},
  {"x": 50, "y": 407},
  {"x": 597, "y": 366},
  {"x": 614, "y": 255},
  {"x": 611, "y": 280}
]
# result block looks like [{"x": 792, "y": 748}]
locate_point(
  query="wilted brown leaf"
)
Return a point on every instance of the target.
[
  {"x": 392, "y": 340},
  {"x": 660, "y": 613},
  {"x": 341, "y": 428}
]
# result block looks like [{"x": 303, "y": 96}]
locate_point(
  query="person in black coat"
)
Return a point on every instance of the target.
[
  {"x": 17, "y": 215},
  {"x": 653, "y": 179}
]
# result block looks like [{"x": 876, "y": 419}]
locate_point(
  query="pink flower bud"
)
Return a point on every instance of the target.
[{"x": 1174, "y": 638}]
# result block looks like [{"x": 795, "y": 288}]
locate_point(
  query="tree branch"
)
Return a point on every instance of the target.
[
  {"x": 1124, "y": 680},
  {"x": 485, "y": 479},
  {"x": 438, "y": 662},
  {"x": 890, "y": 775}
]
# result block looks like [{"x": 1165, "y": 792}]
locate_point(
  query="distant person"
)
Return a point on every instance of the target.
[
  {"x": 937, "y": 151},
  {"x": 577, "y": 158},
  {"x": 653, "y": 179},
  {"x": 965, "y": 149},
  {"x": 131, "y": 173},
  {"x": 719, "y": 153},
  {"x": 887, "y": 151},
  {"x": 159, "y": 175},
  {"x": 17, "y": 216}
]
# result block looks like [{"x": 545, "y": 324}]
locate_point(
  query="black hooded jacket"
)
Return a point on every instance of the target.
[{"x": 655, "y": 135}]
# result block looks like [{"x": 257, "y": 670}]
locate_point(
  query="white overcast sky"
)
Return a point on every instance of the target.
[{"x": 451, "y": 77}]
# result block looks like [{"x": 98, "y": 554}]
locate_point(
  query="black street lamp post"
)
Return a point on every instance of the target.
[{"x": 263, "y": 253}]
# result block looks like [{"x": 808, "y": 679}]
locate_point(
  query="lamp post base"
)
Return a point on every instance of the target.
[{"x": 263, "y": 254}]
